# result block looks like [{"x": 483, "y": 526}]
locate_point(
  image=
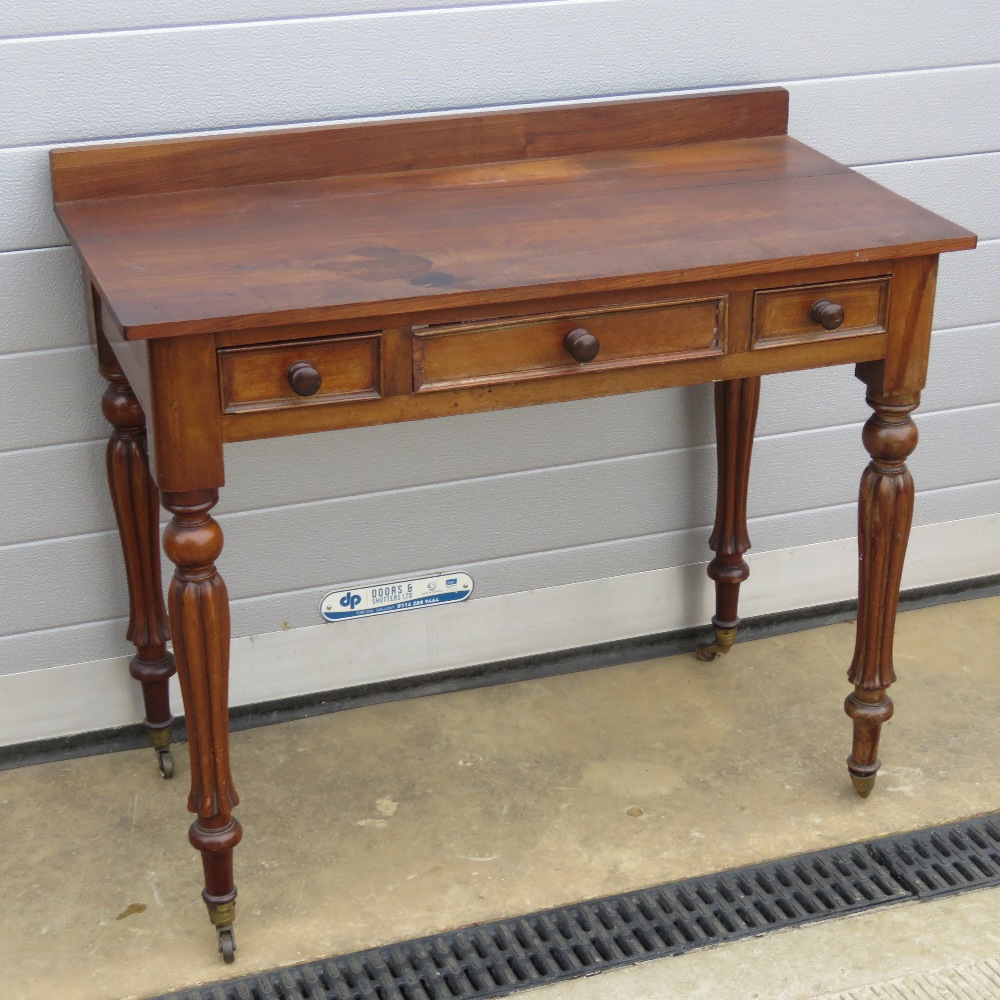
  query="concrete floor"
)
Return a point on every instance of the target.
[{"x": 404, "y": 819}]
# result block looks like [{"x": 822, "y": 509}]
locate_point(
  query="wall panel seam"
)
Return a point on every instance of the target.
[
  {"x": 39, "y": 250},
  {"x": 925, "y": 159},
  {"x": 222, "y": 518},
  {"x": 153, "y": 29},
  {"x": 690, "y": 449},
  {"x": 49, "y": 630},
  {"x": 516, "y": 557},
  {"x": 704, "y": 529},
  {"x": 14, "y": 452},
  {"x": 49, "y": 246},
  {"x": 985, "y": 325},
  {"x": 868, "y": 74},
  {"x": 753, "y": 83},
  {"x": 444, "y": 11},
  {"x": 41, "y": 352}
]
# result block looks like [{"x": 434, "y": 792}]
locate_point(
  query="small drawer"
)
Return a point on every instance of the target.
[
  {"x": 510, "y": 350},
  {"x": 807, "y": 313},
  {"x": 300, "y": 373}
]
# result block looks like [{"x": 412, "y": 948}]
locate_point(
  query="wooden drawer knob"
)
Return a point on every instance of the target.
[
  {"x": 828, "y": 314},
  {"x": 304, "y": 379},
  {"x": 582, "y": 344}
]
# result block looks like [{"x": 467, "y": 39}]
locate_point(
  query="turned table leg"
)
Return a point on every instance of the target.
[
  {"x": 199, "y": 617},
  {"x": 735, "y": 419},
  {"x": 885, "y": 509},
  {"x": 136, "y": 503}
]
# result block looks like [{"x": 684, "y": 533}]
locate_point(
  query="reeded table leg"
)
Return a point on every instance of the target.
[
  {"x": 136, "y": 502},
  {"x": 735, "y": 419},
  {"x": 199, "y": 617},
  {"x": 885, "y": 510}
]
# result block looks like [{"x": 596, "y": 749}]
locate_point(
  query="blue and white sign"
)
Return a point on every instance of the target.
[{"x": 401, "y": 595}]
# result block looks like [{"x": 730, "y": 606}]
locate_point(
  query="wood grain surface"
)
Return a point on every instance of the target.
[
  {"x": 281, "y": 155},
  {"x": 428, "y": 238}
]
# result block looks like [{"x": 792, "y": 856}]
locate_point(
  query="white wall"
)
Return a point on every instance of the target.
[{"x": 527, "y": 499}]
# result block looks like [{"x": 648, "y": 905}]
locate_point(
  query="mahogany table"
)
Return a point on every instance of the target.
[{"x": 289, "y": 281}]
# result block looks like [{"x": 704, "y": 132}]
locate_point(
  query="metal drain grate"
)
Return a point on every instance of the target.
[
  {"x": 946, "y": 859},
  {"x": 497, "y": 959}
]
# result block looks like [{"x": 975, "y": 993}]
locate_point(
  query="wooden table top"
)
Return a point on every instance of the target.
[{"x": 413, "y": 240}]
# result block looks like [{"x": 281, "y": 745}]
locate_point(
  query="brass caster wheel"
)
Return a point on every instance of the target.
[
  {"x": 227, "y": 943},
  {"x": 863, "y": 786},
  {"x": 725, "y": 636},
  {"x": 166, "y": 761}
]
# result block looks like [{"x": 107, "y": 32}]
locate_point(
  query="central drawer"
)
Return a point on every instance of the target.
[{"x": 566, "y": 343}]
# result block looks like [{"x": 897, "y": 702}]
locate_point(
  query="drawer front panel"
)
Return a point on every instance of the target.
[
  {"x": 785, "y": 315},
  {"x": 512, "y": 350},
  {"x": 254, "y": 378}
]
